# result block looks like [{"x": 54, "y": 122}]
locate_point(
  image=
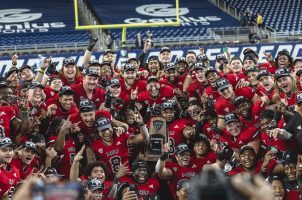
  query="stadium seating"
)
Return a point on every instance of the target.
[
  {"x": 53, "y": 24},
  {"x": 280, "y": 15}
]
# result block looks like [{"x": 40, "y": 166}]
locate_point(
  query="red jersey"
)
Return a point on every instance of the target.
[
  {"x": 268, "y": 67},
  {"x": 66, "y": 158},
  {"x": 60, "y": 112},
  {"x": 212, "y": 93},
  {"x": 195, "y": 89},
  {"x": 113, "y": 155},
  {"x": 139, "y": 84},
  {"x": 144, "y": 189},
  {"x": 207, "y": 159},
  {"x": 291, "y": 101},
  {"x": 267, "y": 141},
  {"x": 210, "y": 133},
  {"x": 256, "y": 110},
  {"x": 177, "y": 84},
  {"x": 98, "y": 96},
  {"x": 50, "y": 93},
  {"x": 257, "y": 170},
  {"x": 77, "y": 80},
  {"x": 12, "y": 174},
  {"x": 165, "y": 93},
  {"x": 4, "y": 184},
  {"x": 269, "y": 94},
  {"x": 24, "y": 169},
  {"x": 7, "y": 114}
]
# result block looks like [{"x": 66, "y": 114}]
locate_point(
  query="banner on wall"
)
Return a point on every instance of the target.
[{"x": 295, "y": 50}]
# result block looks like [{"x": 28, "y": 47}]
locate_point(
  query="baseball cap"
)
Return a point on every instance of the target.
[
  {"x": 102, "y": 124},
  {"x": 236, "y": 58},
  {"x": 222, "y": 83},
  {"x": 86, "y": 105},
  {"x": 263, "y": 72},
  {"x": 11, "y": 71},
  {"x": 29, "y": 145},
  {"x": 299, "y": 98},
  {"x": 105, "y": 63},
  {"x": 108, "y": 51},
  {"x": 152, "y": 78},
  {"x": 153, "y": 58},
  {"x": 131, "y": 59},
  {"x": 54, "y": 77},
  {"x": 129, "y": 67},
  {"x": 24, "y": 67},
  {"x": 170, "y": 66},
  {"x": 210, "y": 69},
  {"x": 198, "y": 66},
  {"x": 3, "y": 82},
  {"x": 66, "y": 90},
  {"x": 267, "y": 114},
  {"x": 24, "y": 85},
  {"x": 167, "y": 105},
  {"x": 181, "y": 148},
  {"x": 138, "y": 163},
  {"x": 249, "y": 57},
  {"x": 239, "y": 100},
  {"x": 289, "y": 157},
  {"x": 202, "y": 57},
  {"x": 220, "y": 56},
  {"x": 251, "y": 69},
  {"x": 68, "y": 61},
  {"x": 6, "y": 142},
  {"x": 201, "y": 137},
  {"x": 35, "y": 84},
  {"x": 231, "y": 117},
  {"x": 95, "y": 184},
  {"x": 113, "y": 82},
  {"x": 52, "y": 171},
  {"x": 94, "y": 62},
  {"x": 180, "y": 59},
  {"x": 90, "y": 72},
  {"x": 281, "y": 72},
  {"x": 246, "y": 147},
  {"x": 249, "y": 51},
  {"x": 165, "y": 49}
]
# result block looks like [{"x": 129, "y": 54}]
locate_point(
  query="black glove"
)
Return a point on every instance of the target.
[
  {"x": 164, "y": 156},
  {"x": 104, "y": 82},
  {"x": 92, "y": 43},
  {"x": 227, "y": 152},
  {"x": 215, "y": 128},
  {"x": 51, "y": 69},
  {"x": 108, "y": 99}
]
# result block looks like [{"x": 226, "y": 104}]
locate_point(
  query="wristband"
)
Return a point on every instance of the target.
[{"x": 41, "y": 71}]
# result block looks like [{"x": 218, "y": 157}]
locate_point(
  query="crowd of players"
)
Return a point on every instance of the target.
[{"x": 90, "y": 123}]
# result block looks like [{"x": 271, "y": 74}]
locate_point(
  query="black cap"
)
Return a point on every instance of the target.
[
  {"x": 284, "y": 52},
  {"x": 68, "y": 61},
  {"x": 299, "y": 98},
  {"x": 94, "y": 62},
  {"x": 114, "y": 81},
  {"x": 35, "y": 84},
  {"x": 246, "y": 147},
  {"x": 29, "y": 145},
  {"x": 105, "y": 63},
  {"x": 153, "y": 58},
  {"x": 3, "y": 82},
  {"x": 129, "y": 67},
  {"x": 24, "y": 67},
  {"x": 102, "y": 124},
  {"x": 220, "y": 56},
  {"x": 170, "y": 66},
  {"x": 24, "y": 85},
  {"x": 251, "y": 69},
  {"x": 249, "y": 57},
  {"x": 6, "y": 142},
  {"x": 95, "y": 184},
  {"x": 86, "y": 105},
  {"x": 11, "y": 71},
  {"x": 130, "y": 59},
  {"x": 167, "y": 105},
  {"x": 108, "y": 51},
  {"x": 263, "y": 72},
  {"x": 202, "y": 57},
  {"x": 249, "y": 51},
  {"x": 202, "y": 137},
  {"x": 281, "y": 72},
  {"x": 289, "y": 157},
  {"x": 65, "y": 90},
  {"x": 51, "y": 171},
  {"x": 198, "y": 66},
  {"x": 138, "y": 163},
  {"x": 231, "y": 117},
  {"x": 54, "y": 77},
  {"x": 236, "y": 58},
  {"x": 90, "y": 72},
  {"x": 222, "y": 83},
  {"x": 181, "y": 148},
  {"x": 152, "y": 78},
  {"x": 210, "y": 69},
  {"x": 165, "y": 49},
  {"x": 239, "y": 100},
  {"x": 267, "y": 114},
  {"x": 180, "y": 59}
]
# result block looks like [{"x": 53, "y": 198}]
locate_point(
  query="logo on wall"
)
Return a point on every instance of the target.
[
  {"x": 18, "y": 15},
  {"x": 160, "y": 10}
]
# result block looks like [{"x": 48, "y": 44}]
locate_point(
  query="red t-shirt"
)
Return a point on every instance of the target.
[
  {"x": 4, "y": 184},
  {"x": 50, "y": 93},
  {"x": 7, "y": 114},
  {"x": 256, "y": 110},
  {"x": 24, "y": 169},
  {"x": 257, "y": 169},
  {"x": 12, "y": 174},
  {"x": 165, "y": 93},
  {"x": 139, "y": 84},
  {"x": 77, "y": 80},
  {"x": 60, "y": 113},
  {"x": 207, "y": 159},
  {"x": 195, "y": 89},
  {"x": 66, "y": 158}
]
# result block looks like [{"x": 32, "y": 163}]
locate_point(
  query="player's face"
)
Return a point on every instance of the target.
[
  {"x": 244, "y": 109},
  {"x": 153, "y": 66},
  {"x": 285, "y": 84},
  {"x": 6, "y": 155},
  {"x": 66, "y": 101},
  {"x": 201, "y": 148},
  {"x": 134, "y": 63},
  {"x": 247, "y": 159},
  {"x": 96, "y": 68},
  {"x": 27, "y": 156},
  {"x": 165, "y": 56},
  {"x": 279, "y": 191},
  {"x": 88, "y": 118},
  {"x": 140, "y": 175},
  {"x": 153, "y": 88},
  {"x": 105, "y": 70},
  {"x": 181, "y": 67},
  {"x": 69, "y": 71},
  {"x": 264, "y": 124},
  {"x": 234, "y": 128},
  {"x": 200, "y": 76},
  {"x": 35, "y": 94},
  {"x": 130, "y": 77},
  {"x": 182, "y": 194},
  {"x": 168, "y": 114},
  {"x": 212, "y": 78},
  {"x": 248, "y": 63},
  {"x": 252, "y": 77},
  {"x": 171, "y": 75},
  {"x": 236, "y": 66},
  {"x": 189, "y": 133},
  {"x": 90, "y": 82},
  {"x": 297, "y": 67},
  {"x": 129, "y": 117},
  {"x": 106, "y": 135},
  {"x": 95, "y": 195},
  {"x": 283, "y": 61},
  {"x": 23, "y": 93},
  {"x": 190, "y": 58},
  {"x": 194, "y": 111},
  {"x": 6, "y": 94},
  {"x": 115, "y": 90},
  {"x": 27, "y": 74},
  {"x": 290, "y": 171},
  {"x": 109, "y": 57},
  {"x": 267, "y": 82},
  {"x": 13, "y": 79},
  {"x": 56, "y": 84},
  {"x": 227, "y": 93},
  {"x": 98, "y": 172},
  {"x": 184, "y": 158}
]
